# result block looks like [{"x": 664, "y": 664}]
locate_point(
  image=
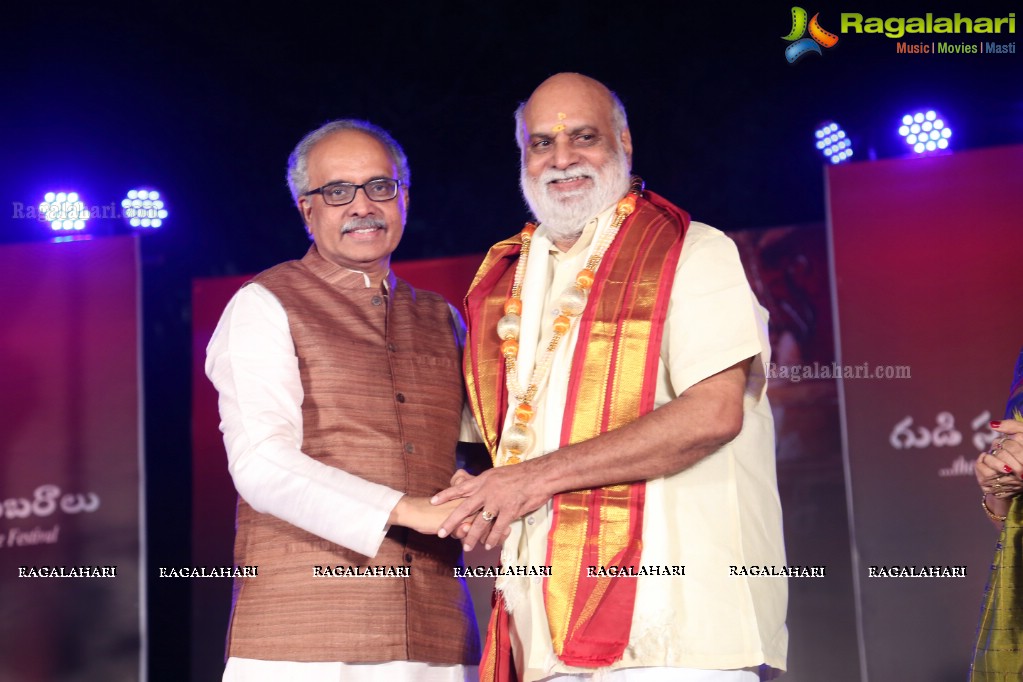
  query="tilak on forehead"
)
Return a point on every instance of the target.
[{"x": 559, "y": 126}]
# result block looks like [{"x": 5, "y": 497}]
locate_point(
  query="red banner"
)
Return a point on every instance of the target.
[
  {"x": 70, "y": 460},
  {"x": 926, "y": 253}
]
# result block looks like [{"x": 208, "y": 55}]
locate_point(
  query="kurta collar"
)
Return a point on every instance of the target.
[{"x": 340, "y": 277}]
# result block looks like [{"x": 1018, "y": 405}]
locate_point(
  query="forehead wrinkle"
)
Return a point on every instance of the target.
[
  {"x": 593, "y": 117},
  {"x": 352, "y": 182}
]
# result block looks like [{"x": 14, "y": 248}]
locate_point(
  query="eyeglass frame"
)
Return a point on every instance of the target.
[{"x": 320, "y": 190}]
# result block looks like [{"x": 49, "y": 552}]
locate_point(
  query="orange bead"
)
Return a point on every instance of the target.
[
  {"x": 524, "y": 413},
  {"x": 528, "y": 230},
  {"x": 509, "y": 347},
  {"x": 513, "y": 305},
  {"x": 627, "y": 205},
  {"x": 561, "y": 324},
  {"x": 585, "y": 279}
]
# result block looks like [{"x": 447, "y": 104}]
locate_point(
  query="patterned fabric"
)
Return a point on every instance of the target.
[
  {"x": 613, "y": 382},
  {"x": 1014, "y": 409},
  {"x": 999, "y": 652}
]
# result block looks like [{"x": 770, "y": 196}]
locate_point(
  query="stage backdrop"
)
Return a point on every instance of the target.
[
  {"x": 788, "y": 269},
  {"x": 70, "y": 550},
  {"x": 926, "y": 255}
]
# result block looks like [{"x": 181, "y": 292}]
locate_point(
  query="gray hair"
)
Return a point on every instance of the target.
[
  {"x": 298, "y": 161},
  {"x": 619, "y": 121}
]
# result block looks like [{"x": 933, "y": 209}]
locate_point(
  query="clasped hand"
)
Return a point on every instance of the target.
[
  {"x": 999, "y": 470},
  {"x": 490, "y": 503}
]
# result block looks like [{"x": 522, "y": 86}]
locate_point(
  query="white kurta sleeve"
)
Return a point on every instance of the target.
[
  {"x": 714, "y": 320},
  {"x": 251, "y": 362}
]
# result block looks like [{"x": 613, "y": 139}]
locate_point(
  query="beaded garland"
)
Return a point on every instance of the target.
[{"x": 519, "y": 437}]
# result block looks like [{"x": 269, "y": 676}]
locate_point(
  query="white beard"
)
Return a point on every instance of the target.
[{"x": 564, "y": 216}]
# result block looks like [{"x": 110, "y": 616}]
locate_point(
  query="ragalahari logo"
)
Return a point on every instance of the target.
[{"x": 801, "y": 46}]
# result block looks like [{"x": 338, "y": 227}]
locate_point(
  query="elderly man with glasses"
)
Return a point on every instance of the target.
[{"x": 341, "y": 403}]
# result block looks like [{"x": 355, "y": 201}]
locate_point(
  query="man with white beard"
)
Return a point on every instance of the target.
[{"x": 616, "y": 367}]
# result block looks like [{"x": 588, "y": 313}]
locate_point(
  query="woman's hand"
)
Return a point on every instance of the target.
[{"x": 999, "y": 470}]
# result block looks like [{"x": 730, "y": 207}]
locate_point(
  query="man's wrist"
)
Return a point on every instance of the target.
[
  {"x": 397, "y": 515},
  {"x": 546, "y": 473}
]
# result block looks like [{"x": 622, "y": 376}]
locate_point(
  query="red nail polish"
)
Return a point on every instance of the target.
[
  {"x": 1007, "y": 469},
  {"x": 995, "y": 424}
]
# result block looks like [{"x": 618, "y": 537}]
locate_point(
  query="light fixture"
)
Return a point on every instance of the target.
[
  {"x": 925, "y": 131},
  {"x": 144, "y": 209},
  {"x": 833, "y": 142},
  {"x": 64, "y": 211}
]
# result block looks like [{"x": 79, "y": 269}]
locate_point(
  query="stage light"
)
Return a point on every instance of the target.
[
  {"x": 833, "y": 142},
  {"x": 144, "y": 209},
  {"x": 925, "y": 131},
  {"x": 64, "y": 211}
]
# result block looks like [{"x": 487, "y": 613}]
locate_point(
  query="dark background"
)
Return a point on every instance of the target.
[{"x": 205, "y": 102}]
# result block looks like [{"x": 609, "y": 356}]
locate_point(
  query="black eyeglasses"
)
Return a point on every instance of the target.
[{"x": 341, "y": 193}]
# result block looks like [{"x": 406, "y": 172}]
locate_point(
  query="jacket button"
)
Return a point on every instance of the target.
[
  {"x": 409, "y": 448},
  {"x": 400, "y": 397},
  {"x": 391, "y": 347},
  {"x": 408, "y": 558},
  {"x": 376, "y": 300}
]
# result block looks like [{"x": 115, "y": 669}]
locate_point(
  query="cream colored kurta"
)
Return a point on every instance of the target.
[{"x": 722, "y": 512}]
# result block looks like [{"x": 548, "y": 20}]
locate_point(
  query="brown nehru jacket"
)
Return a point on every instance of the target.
[{"x": 383, "y": 401}]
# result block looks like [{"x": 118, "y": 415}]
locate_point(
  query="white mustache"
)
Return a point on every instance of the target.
[
  {"x": 553, "y": 174},
  {"x": 361, "y": 224}
]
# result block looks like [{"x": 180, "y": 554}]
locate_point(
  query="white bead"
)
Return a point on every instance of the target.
[
  {"x": 508, "y": 326},
  {"x": 517, "y": 439},
  {"x": 572, "y": 301}
]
